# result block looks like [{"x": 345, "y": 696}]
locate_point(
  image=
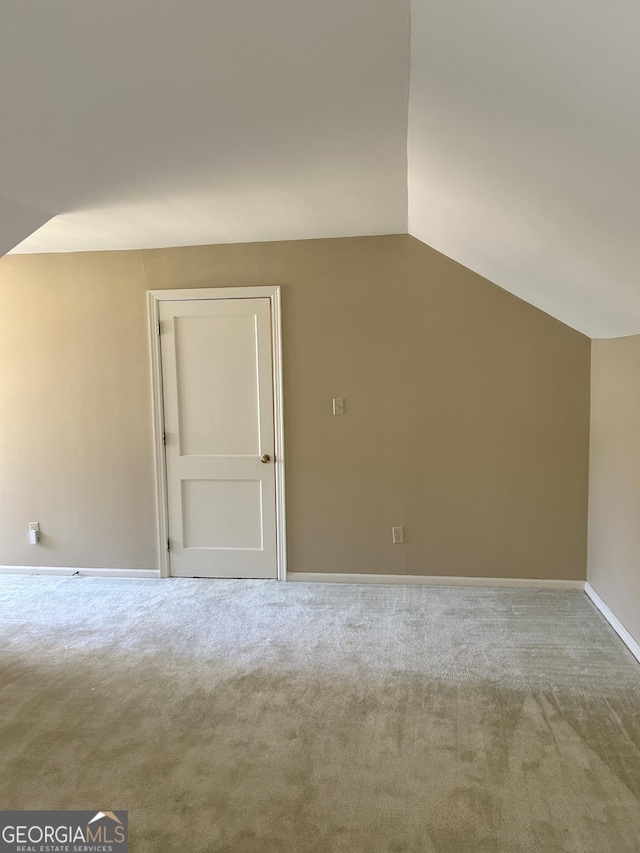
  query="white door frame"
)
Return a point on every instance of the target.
[{"x": 272, "y": 292}]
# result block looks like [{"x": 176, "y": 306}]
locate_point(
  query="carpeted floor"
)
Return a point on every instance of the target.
[{"x": 259, "y": 717}]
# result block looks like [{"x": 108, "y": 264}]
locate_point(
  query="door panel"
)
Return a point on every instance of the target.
[
  {"x": 218, "y": 408},
  {"x": 237, "y": 521}
]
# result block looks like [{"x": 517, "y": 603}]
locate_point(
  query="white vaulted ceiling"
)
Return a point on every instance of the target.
[
  {"x": 524, "y": 150},
  {"x": 16, "y": 221},
  {"x": 160, "y": 123}
]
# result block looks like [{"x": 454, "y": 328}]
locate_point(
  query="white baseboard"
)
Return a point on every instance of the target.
[
  {"x": 64, "y": 571},
  {"x": 616, "y": 624},
  {"x": 331, "y": 577},
  {"x": 433, "y": 580}
]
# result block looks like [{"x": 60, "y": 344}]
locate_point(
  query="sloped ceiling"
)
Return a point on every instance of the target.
[
  {"x": 17, "y": 222},
  {"x": 149, "y": 123},
  {"x": 160, "y": 123},
  {"x": 524, "y": 150}
]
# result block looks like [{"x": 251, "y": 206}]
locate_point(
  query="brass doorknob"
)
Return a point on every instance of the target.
[{"x": 265, "y": 458}]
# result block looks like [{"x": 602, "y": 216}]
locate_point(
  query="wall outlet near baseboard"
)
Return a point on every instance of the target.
[
  {"x": 34, "y": 532},
  {"x": 397, "y": 534}
]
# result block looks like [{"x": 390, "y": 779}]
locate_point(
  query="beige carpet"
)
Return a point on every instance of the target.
[{"x": 286, "y": 718}]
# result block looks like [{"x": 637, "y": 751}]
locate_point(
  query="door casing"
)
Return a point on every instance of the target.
[{"x": 155, "y": 297}]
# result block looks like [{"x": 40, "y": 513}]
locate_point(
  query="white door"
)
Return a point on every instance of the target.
[{"x": 219, "y": 434}]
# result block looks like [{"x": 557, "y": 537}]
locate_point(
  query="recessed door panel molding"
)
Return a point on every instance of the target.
[
  {"x": 218, "y": 409},
  {"x": 216, "y": 358},
  {"x": 237, "y": 522}
]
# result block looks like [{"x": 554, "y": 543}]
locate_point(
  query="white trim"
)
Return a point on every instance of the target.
[
  {"x": 271, "y": 292},
  {"x": 616, "y": 624},
  {"x": 66, "y": 571},
  {"x": 199, "y": 293},
  {"x": 278, "y": 413},
  {"x": 162, "y": 510},
  {"x": 433, "y": 580}
]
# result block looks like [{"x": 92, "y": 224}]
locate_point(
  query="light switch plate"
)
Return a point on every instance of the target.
[{"x": 338, "y": 405}]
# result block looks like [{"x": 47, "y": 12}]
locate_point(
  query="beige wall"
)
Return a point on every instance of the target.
[
  {"x": 614, "y": 502},
  {"x": 467, "y": 410}
]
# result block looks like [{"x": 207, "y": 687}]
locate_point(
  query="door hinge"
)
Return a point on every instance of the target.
[
  {"x": 158, "y": 327},
  {"x": 164, "y": 439},
  {"x": 168, "y": 545}
]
